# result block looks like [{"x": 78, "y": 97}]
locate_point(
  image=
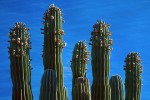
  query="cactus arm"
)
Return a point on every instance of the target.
[
  {"x": 53, "y": 44},
  {"x": 80, "y": 84},
  {"x": 20, "y": 62},
  {"x": 133, "y": 70},
  {"x": 100, "y": 61}
]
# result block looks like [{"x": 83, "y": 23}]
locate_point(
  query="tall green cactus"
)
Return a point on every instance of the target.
[
  {"x": 100, "y": 41},
  {"x": 53, "y": 44},
  {"x": 133, "y": 70},
  {"x": 117, "y": 92},
  {"x": 80, "y": 84},
  {"x": 48, "y": 85},
  {"x": 20, "y": 62}
]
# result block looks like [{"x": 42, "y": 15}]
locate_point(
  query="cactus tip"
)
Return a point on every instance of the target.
[{"x": 52, "y": 5}]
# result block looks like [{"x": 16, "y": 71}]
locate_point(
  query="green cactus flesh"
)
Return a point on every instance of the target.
[
  {"x": 79, "y": 60},
  {"x": 100, "y": 41},
  {"x": 116, "y": 86},
  {"x": 80, "y": 84},
  {"x": 133, "y": 70},
  {"x": 53, "y": 44},
  {"x": 81, "y": 89},
  {"x": 20, "y": 62},
  {"x": 48, "y": 85}
]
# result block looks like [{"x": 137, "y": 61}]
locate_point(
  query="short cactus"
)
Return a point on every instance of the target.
[
  {"x": 48, "y": 85},
  {"x": 53, "y": 44},
  {"x": 117, "y": 92},
  {"x": 20, "y": 62},
  {"x": 100, "y": 41},
  {"x": 81, "y": 89},
  {"x": 133, "y": 70},
  {"x": 79, "y": 60},
  {"x": 80, "y": 84}
]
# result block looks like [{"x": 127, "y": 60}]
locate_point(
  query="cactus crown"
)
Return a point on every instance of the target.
[
  {"x": 79, "y": 60},
  {"x": 133, "y": 61},
  {"x": 100, "y": 35},
  {"x": 19, "y": 40}
]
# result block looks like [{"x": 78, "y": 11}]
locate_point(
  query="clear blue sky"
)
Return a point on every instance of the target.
[{"x": 130, "y": 26}]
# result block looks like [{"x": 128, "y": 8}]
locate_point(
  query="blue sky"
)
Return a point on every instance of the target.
[{"x": 130, "y": 24}]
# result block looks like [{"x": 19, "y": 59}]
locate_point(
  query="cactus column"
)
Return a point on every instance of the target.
[
  {"x": 100, "y": 41},
  {"x": 53, "y": 44},
  {"x": 48, "y": 85},
  {"x": 80, "y": 84},
  {"x": 133, "y": 70},
  {"x": 116, "y": 85},
  {"x": 20, "y": 62}
]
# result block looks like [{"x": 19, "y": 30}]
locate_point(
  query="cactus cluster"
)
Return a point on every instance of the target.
[
  {"x": 52, "y": 82},
  {"x": 80, "y": 84},
  {"x": 20, "y": 62}
]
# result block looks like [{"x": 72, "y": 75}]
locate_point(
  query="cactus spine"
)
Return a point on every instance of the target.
[
  {"x": 48, "y": 85},
  {"x": 20, "y": 62},
  {"x": 116, "y": 85},
  {"x": 53, "y": 44},
  {"x": 100, "y": 41},
  {"x": 133, "y": 70},
  {"x": 80, "y": 84}
]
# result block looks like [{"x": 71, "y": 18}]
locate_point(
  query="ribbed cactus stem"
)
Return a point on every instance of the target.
[
  {"x": 53, "y": 44},
  {"x": 80, "y": 84},
  {"x": 100, "y": 41},
  {"x": 20, "y": 62},
  {"x": 133, "y": 70},
  {"x": 116, "y": 85},
  {"x": 48, "y": 85},
  {"x": 81, "y": 89},
  {"x": 79, "y": 60}
]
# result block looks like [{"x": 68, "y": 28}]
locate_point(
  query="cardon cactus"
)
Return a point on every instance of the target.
[
  {"x": 53, "y": 44},
  {"x": 133, "y": 70},
  {"x": 48, "y": 85},
  {"x": 81, "y": 89},
  {"x": 79, "y": 60},
  {"x": 117, "y": 92},
  {"x": 100, "y": 41},
  {"x": 80, "y": 84},
  {"x": 20, "y": 62}
]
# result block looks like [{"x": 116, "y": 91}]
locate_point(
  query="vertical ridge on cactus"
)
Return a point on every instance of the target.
[
  {"x": 53, "y": 44},
  {"x": 100, "y": 41},
  {"x": 117, "y": 92},
  {"x": 133, "y": 70},
  {"x": 80, "y": 84},
  {"x": 20, "y": 62},
  {"x": 48, "y": 85}
]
